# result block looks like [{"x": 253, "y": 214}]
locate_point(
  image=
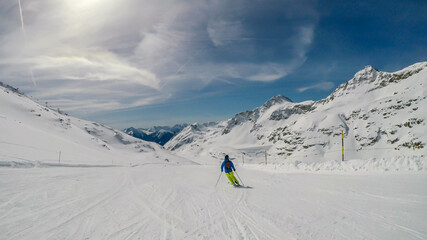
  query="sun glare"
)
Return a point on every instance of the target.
[{"x": 83, "y": 4}]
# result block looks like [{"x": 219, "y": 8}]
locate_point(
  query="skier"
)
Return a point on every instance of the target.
[{"x": 229, "y": 168}]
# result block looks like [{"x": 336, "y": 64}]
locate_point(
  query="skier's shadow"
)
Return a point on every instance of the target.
[{"x": 247, "y": 187}]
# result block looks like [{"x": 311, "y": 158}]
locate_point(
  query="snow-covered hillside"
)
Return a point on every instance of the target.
[
  {"x": 380, "y": 113},
  {"x": 32, "y": 134}
]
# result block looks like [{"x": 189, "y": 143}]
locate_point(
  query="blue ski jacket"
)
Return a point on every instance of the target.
[{"x": 224, "y": 166}]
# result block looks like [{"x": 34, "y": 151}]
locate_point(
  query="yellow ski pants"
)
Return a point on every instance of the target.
[{"x": 232, "y": 178}]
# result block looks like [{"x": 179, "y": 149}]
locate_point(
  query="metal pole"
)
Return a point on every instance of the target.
[
  {"x": 218, "y": 179},
  {"x": 243, "y": 158},
  {"x": 265, "y": 157},
  {"x": 239, "y": 178},
  {"x": 342, "y": 144}
]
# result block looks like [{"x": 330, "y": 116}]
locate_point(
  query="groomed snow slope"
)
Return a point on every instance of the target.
[{"x": 181, "y": 202}]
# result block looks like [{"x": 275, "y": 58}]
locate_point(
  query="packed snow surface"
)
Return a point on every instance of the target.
[{"x": 169, "y": 201}]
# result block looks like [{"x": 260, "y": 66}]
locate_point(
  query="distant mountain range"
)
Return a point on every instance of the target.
[
  {"x": 158, "y": 134},
  {"x": 381, "y": 115}
]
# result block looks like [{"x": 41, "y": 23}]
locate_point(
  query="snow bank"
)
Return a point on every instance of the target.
[
  {"x": 394, "y": 164},
  {"x": 17, "y": 164}
]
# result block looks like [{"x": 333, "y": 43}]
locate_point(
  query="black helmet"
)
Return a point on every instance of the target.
[{"x": 226, "y": 156}]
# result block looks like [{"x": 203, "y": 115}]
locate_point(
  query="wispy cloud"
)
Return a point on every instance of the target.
[
  {"x": 223, "y": 32},
  {"x": 136, "y": 52},
  {"x": 325, "y": 86}
]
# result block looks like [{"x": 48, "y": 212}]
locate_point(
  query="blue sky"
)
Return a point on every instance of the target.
[{"x": 143, "y": 63}]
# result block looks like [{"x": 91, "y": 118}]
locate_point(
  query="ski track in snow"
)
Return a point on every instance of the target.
[{"x": 181, "y": 202}]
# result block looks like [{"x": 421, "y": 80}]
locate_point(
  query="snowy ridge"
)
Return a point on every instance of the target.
[
  {"x": 371, "y": 79},
  {"x": 398, "y": 163},
  {"x": 380, "y": 113},
  {"x": 35, "y": 135}
]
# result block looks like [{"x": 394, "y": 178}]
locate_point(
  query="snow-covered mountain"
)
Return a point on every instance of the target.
[
  {"x": 183, "y": 201},
  {"x": 32, "y": 134},
  {"x": 381, "y": 115},
  {"x": 158, "y": 134}
]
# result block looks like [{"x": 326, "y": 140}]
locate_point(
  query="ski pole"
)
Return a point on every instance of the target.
[
  {"x": 218, "y": 179},
  {"x": 239, "y": 178}
]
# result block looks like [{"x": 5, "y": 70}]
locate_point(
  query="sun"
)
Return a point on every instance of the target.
[{"x": 83, "y": 4}]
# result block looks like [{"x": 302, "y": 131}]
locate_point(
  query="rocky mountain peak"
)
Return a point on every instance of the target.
[
  {"x": 368, "y": 73},
  {"x": 276, "y": 100}
]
